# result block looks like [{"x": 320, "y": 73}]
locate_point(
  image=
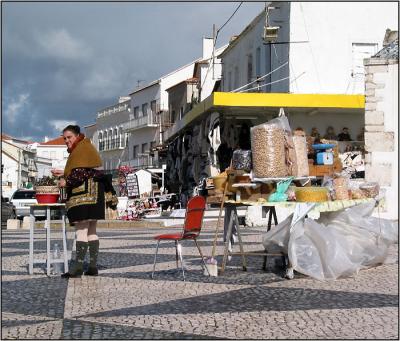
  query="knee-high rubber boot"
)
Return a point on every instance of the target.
[
  {"x": 77, "y": 268},
  {"x": 93, "y": 254}
]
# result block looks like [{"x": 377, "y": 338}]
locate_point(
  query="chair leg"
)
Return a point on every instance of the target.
[
  {"x": 202, "y": 258},
  {"x": 176, "y": 253},
  {"x": 155, "y": 259},
  {"x": 179, "y": 248}
]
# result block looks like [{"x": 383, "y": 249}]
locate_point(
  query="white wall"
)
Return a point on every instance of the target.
[
  {"x": 384, "y": 159},
  {"x": 10, "y": 174},
  {"x": 57, "y": 154},
  {"x": 331, "y": 28},
  {"x": 172, "y": 79},
  {"x": 248, "y": 43},
  {"x": 144, "y": 181},
  {"x": 321, "y": 36}
]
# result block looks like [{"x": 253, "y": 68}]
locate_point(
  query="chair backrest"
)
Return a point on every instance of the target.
[{"x": 194, "y": 216}]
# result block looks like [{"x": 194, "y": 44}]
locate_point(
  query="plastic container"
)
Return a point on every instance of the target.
[
  {"x": 311, "y": 194},
  {"x": 47, "y": 198}
]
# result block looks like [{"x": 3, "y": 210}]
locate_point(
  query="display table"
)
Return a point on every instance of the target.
[
  {"x": 47, "y": 225},
  {"x": 301, "y": 210}
]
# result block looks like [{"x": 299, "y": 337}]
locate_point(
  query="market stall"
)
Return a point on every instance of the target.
[
  {"x": 275, "y": 172},
  {"x": 202, "y": 143}
]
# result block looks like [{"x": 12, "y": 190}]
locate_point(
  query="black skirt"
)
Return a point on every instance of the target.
[{"x": 86, "y": 201}]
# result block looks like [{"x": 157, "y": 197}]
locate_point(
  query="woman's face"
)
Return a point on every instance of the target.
[{"x": 69, "y": 138}]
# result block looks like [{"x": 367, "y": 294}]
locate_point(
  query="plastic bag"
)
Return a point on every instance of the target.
[
  {"x": 281, "y": 188},
  {"x": 337, "y": 245},
  {"x": 241, "y": 160}
]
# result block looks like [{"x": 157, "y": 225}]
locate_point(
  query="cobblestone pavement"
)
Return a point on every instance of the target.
[{"x": 123, "y": 302}]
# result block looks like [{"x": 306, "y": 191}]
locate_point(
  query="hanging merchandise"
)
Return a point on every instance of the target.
[{"x": 241, "y": 160}]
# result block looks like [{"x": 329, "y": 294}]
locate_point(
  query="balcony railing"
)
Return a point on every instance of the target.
[
  {"x": 114, "y": 143},
  {"x": 113, "y": 109},
  {"x": 141, "y": 162},
  {"x": 149, "y": 120}
]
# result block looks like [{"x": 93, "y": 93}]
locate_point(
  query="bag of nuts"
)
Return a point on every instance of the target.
[
  {"x": 268, "y": 151},
  {"x": 290, "y": 152}
]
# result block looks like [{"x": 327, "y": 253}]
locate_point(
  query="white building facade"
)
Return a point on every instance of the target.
[
  {"x": 319, "y": 47},
  {"x": 19, "y": 167},
  {"x": 381, "y": 124},
  {"x": 50, "y": 154},
  {"x": 108, "y": 134}
]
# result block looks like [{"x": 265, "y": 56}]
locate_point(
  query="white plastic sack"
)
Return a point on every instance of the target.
[{"x": 338, "y": 245}]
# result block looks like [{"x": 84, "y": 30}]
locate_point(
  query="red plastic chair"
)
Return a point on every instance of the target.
[{"x": 191, "y": 230}]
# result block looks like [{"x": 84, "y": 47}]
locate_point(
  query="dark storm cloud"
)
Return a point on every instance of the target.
[{"x": 64, "y": 61}]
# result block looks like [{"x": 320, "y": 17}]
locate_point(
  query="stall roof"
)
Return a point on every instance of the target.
[{"x": 266, "y": 103}]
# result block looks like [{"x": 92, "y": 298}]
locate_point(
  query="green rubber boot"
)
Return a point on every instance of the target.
[
  {"x": 77, "y": 268},
  {"x": 93, "y": 254}
]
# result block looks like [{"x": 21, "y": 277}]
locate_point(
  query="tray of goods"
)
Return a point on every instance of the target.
[
  {"x": 370, "y": 189},
  {"x": 311, "y": 194}
]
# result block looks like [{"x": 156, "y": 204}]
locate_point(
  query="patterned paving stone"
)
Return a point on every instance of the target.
[{"x": 123, "y": 302}]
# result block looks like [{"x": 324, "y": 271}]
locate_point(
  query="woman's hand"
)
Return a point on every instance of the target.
[
  {"x": 57, "y": 172},
  {"x": 61, "y": 182}
]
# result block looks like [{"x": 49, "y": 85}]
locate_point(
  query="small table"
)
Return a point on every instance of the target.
[{"x": 47, "y": 225}]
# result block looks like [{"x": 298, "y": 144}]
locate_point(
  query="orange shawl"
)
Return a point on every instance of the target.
[{"x": 84, "y": 155}]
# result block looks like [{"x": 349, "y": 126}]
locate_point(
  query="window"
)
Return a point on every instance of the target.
[
  {"x": 105, "y": 141},
  {"x": 109, "y": 139},
  {"x": 152, "y": 145},
  {"x": 136, "y": 112},
  {"x": 249, "y": 68},
  {"x": 120, "y": 137},
  {"x": 144, "y": 148},
  {"x": 258, "y": 62},
  {"x": 135, "y": 151},
  {"x": 153, "y": 107},
  {"x": 230, "y": 81},
  {"x": 144, "y": 109},
  {"x": 181, "y": 113},
  {"x": 101, "y": 145},
  {"x": 236, "y": 81}
]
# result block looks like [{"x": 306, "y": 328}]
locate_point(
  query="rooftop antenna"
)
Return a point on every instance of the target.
[{"x": 138, "y": 82}]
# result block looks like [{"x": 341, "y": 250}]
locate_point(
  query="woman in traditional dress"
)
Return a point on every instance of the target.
[{"x": 85, "y": 197}]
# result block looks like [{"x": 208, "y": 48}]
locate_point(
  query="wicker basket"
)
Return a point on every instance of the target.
[{"x": 47, "y": 190}]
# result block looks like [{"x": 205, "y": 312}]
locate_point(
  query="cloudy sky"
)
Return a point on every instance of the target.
[{"x": 64, "y": 61}]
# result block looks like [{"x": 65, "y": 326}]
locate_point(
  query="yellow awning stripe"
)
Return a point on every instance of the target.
[{"x": 288, "y": 100}]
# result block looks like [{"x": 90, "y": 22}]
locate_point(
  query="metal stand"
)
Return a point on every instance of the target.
[
  {"x": 233, "y": 218},
  {"x": 47, "y": 225}
]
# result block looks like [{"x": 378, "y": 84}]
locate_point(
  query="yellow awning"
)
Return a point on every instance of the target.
[
  {"x": 279, "y": 100},
  {"x": 258, "y": 103}
]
